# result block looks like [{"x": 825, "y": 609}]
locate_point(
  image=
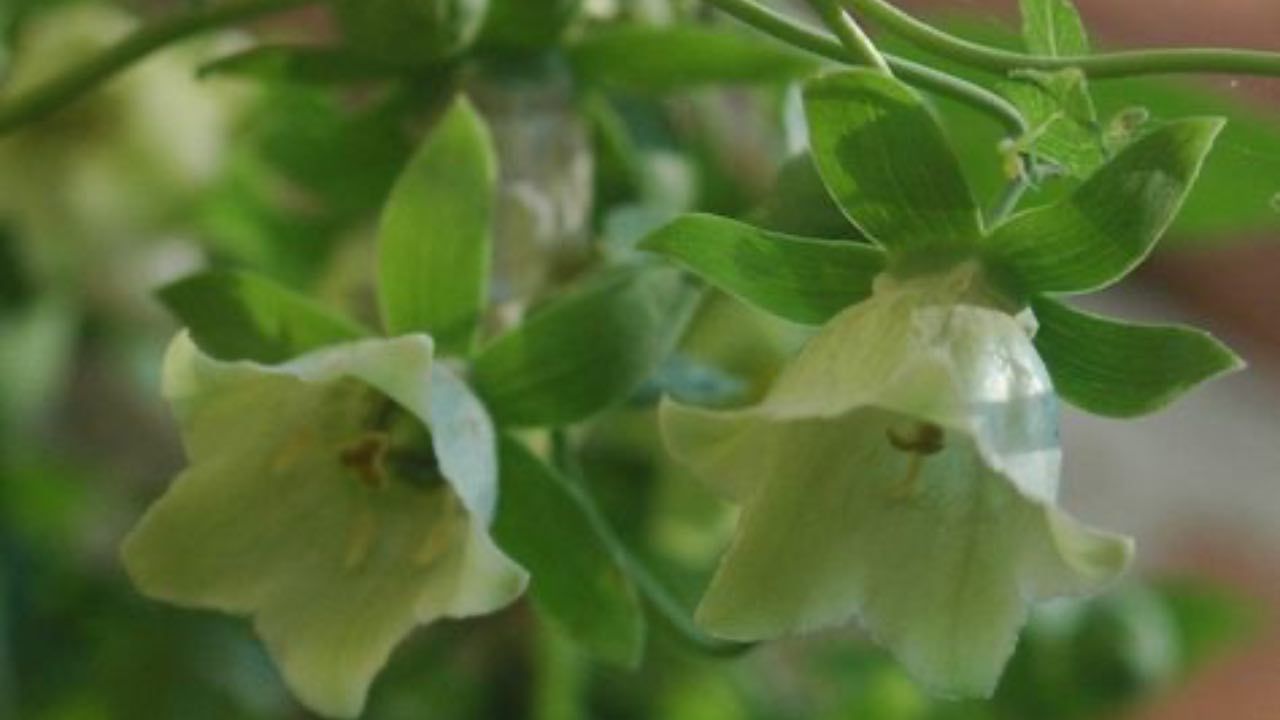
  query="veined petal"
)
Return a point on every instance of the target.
[{"x": 280, "y": 517}]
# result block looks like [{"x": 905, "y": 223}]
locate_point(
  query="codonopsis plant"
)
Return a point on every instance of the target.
[
  {"x": 345, "y": 485},
  {"x": 904, "y": 468}
]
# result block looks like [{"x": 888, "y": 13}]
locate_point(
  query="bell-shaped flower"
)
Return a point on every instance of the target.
[
  {"x": 339, "y": 499},
  {"x": 904, "y": 469}
]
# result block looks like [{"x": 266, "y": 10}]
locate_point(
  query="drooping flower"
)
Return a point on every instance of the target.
[
  {"x": 903, "y": 469},
  {"x": 340, "y": 499}
]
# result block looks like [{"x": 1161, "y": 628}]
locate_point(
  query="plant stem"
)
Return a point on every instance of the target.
[
  {"x": 793, "y": 33},
  {"x": 850, "y": 34},
  {"x": 1100, "y": 66},
  {"x": 69, "y": 86},
  {"x": 1008, "y": 200},
  {"x": 669, "y": 609}
]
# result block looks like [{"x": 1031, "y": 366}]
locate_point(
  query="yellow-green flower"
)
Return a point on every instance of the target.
[
  {"x": 904, "y": 470},
  {"x": 339, "y": 499}
]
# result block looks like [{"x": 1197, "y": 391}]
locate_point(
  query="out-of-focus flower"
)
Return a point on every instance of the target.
[
  {"x": 545, "y": 190},
  {"x": 904, "y": 469},
  {"x": 113, "y": 168},
  {"x": 339, "y": 499}
]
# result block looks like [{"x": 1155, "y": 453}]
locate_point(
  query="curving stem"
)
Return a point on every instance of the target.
[
  {"x": 1099, "y": 66},
  {"x": 69, "y": 86}
]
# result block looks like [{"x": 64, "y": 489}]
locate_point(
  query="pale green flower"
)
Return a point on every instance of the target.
[
  {"x": 315, "y": 504},
  {"x": 904, "y": 469},
  {"x": 85, "y": 184}
]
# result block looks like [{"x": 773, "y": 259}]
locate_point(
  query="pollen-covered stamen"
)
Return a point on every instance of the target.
[
  {"x": 919, "y": 440},
  {"x": 366, "y": 458}
]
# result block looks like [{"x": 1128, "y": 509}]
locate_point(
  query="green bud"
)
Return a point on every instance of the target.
[
  {"x": 411, "y": 32},
  {"x": 527, "y": 24}
]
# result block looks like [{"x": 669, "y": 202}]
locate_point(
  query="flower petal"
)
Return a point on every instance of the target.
[
  {"x": 716, "y": 444},
  {"x": 932, "y": 348},
  {"x": 464, "y": 442}
]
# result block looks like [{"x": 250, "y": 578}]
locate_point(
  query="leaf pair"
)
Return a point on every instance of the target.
[{"x": 887, "y": 164}]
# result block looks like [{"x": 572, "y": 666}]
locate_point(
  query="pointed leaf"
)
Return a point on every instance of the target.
[
  {"x": 672, "y": 58},
  {"x": 1053, "y": 28},
  {"x": 800, "y": 279},
  {"x": 1120, "y": 369},
  {"x": 1107, "y": 226},
  {"x": 586, "y": 351},
  {"x": 242, "y": 316},
  {"x": 887, "y": 163},
  {"x": 1235, "y": 193},
  {"x": 434, "y": 244},
  {"x": 577, "y": 583},
  {"x": 799, "y": 204}
]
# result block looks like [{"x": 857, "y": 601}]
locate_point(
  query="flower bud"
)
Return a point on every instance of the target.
[{"x": 411, "y": 32}]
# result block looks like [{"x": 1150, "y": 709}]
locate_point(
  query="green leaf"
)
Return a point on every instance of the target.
[
  {"x": 434, "y": 243},
  {"x": 799, "y": 279},
  {"x": 647, "y": 59},
  {"x": 1053, "y": 28},
  {"x": 1063, "y": 119},
  {"x": 1107, "y": 226},
  {"x": 1235, "y": 194},
  {"x": 799, "y": 204},
  {"x": 888, "y": 165},
  {"x": 1233, "y": 197},
  {"x": 578, "y": 583},
  {"x": 1120, "y": 369},
  {"x": 585, "y": 351},
  {"x": 1210, "y": 618},
  {"x": 241, "y": 316}
]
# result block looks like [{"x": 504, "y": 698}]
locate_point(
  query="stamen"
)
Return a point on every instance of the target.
[
  {"x": 366, "y": 458},
  {"x": 918, "y": 438},
  {"x": 364, "y": 529},
  {"x": 919, "y": 441}
]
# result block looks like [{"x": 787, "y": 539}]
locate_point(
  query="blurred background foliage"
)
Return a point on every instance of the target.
[{"x": 283, "y": 159}]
